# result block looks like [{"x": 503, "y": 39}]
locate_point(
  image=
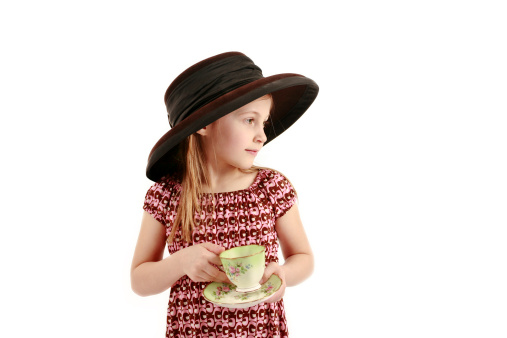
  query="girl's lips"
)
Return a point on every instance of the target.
[{"x": 253, "y": 152}]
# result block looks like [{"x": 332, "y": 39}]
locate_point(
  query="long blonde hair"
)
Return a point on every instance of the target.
[{"x": 194, "y": 177}]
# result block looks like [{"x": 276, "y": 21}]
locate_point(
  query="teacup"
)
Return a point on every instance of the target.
[{"x": 244, "y": 266}]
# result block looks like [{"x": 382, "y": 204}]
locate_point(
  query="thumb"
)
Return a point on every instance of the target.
[
  {"x": 216, "y": 249},
  {"x": 267, "y": 273}
]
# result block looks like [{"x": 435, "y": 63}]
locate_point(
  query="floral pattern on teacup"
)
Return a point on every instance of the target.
[
  {"x": 233, "y": 271},
  {"x": 223, "y": 290}
]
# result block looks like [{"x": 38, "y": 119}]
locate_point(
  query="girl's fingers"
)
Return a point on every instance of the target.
[
  {"x": 214, "y": 259},
  {"x": 218, "y": 276},
  {"x": 264, "y": 278},
  {"x": 213, "y": 274},
  {"x": 216, "y": 249},
  {"x": 278, "y": 295},
  {"x": 222, "y": 277},
  {"x": 270, "y": 269}
]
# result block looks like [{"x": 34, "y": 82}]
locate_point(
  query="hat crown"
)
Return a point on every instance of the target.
[{"x": 206, "y": 81}]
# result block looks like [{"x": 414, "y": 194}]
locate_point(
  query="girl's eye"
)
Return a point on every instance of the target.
[{"x": 249, "y": 121}]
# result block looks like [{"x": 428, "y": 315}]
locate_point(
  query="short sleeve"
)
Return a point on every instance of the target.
[
  {"x": 281, "y": 193},
  {"x": 156, "y": 201}
]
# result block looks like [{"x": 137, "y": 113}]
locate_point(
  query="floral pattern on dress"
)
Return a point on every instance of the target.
[{"x": 241, "y": 217}]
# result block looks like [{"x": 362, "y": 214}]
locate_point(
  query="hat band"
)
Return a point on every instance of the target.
[{"x": 209, "y": 83}]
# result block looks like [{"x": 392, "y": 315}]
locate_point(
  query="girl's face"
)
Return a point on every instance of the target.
[{"x": 235, "y": 139}]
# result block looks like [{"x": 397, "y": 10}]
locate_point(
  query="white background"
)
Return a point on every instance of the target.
[{"x": 400, "y": 163}]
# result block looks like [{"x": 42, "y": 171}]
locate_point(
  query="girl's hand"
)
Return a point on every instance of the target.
[
  {"x": 198, "y": 263},
  {"x": 275, "y": 268}
]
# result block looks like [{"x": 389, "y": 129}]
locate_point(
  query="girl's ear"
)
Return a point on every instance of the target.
[{"x": 203, "y": 131}]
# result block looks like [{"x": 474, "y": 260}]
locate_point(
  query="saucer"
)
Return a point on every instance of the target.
[{"x": 224, "y": 294}]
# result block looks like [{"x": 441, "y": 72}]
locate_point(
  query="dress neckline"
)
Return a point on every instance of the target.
[{"x": 232, "y": 192}]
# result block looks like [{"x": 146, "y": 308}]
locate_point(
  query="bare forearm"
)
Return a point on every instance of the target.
[
  {"x": 150, "y": 278},
  {"x": 297, "y": 268}
]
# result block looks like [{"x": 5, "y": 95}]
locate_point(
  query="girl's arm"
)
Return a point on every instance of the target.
[
  {"x": 295, "y": 247},
  {"x": 296, "y": 251},
  {"x": 150, "y": 274}
]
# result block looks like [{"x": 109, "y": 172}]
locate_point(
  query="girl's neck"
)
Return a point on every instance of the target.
[{"x": 229, "y": 179}]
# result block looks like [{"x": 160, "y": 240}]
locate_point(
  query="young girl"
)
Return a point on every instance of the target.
[{"x": 208, "y": 196}]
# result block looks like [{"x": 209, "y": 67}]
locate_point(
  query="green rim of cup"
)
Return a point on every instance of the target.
[{"x": 243, "y": 251}]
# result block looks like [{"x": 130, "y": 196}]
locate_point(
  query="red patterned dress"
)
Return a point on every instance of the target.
[{"x": 240, "y": 218}]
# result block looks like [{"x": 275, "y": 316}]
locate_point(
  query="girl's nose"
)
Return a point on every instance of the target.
[{"x": 261, "y": 136}]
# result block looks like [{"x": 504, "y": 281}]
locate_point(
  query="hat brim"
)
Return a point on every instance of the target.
[{"x": 292, "y": 95}]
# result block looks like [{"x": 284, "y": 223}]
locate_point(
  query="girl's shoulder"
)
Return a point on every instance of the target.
[
  {"x": 162, "y": 198},
  {"x": 277, "y": 189},
  {"x": 166, "y": 186},
  {"x": 273, "y": 181},
  {"x": 268, "y": 175}
]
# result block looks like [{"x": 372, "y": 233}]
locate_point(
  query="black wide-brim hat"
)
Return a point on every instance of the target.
[{"x": 216, "y": 86}]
